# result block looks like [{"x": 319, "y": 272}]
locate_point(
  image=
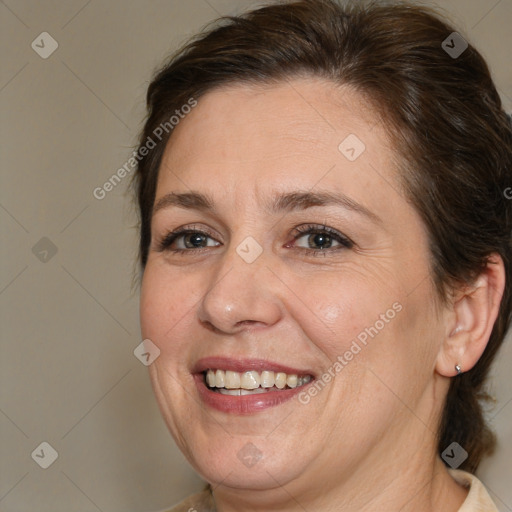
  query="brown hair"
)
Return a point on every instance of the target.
[{"x": 444, "y": 117}]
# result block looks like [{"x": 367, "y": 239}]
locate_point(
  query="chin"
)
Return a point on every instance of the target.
[{"x": 242, "y": 464}]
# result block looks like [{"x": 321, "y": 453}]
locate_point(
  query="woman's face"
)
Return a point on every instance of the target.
[{"x": 301, "y": 257}]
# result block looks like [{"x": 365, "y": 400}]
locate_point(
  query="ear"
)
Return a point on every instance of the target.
[{"x": 469, "y": 324}]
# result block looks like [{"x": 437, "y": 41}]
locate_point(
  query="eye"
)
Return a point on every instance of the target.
[
  {"x": 186, "y": 239},
  {"x": 315, "y": 239}
]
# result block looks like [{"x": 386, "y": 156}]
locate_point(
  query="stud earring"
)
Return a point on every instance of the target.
[{"x": 458, "y": 369}]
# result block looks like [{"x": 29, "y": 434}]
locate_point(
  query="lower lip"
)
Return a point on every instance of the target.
[{"x": 244, "y": 404}]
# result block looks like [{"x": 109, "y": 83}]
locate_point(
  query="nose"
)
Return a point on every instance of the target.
[{"x": 241, "y": 294}]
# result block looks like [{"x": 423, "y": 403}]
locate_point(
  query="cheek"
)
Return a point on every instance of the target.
[
  {"x": 163, "y": 309},
  {"x": 336, "y": 314},
  {"x": 153, "y": 303},
  {"x": 401, "y": 356},
  {"x": 332, "y": 312},
  {"x": 365, "y": 331}
]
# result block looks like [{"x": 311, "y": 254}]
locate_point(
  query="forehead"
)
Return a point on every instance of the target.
[
  {"x": 249, "y": 139},
  {"x": 301, "y": 119}
]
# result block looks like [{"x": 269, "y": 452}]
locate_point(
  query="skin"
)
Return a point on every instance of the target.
[{"x": 366, "y": 442}]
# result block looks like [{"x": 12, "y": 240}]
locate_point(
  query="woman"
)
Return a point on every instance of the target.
[{"x": 325, "y": 245}]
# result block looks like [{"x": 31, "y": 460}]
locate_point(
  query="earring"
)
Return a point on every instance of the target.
[{"x": 458, "y": 369}]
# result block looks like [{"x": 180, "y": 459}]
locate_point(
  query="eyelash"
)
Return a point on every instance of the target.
[
  {"x": 311, "y": 229},
  {"x": 298, "y": 232}
]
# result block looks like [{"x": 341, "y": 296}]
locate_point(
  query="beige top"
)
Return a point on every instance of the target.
[{"x": 478, "y": 499}]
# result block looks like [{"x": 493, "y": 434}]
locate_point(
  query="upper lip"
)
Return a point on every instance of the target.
[{"x": 244, "y": 365}]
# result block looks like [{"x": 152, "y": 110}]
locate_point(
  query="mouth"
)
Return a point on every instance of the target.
[
  {"x": 247, "y": 386},
  {"x": 228, "y": 382}
]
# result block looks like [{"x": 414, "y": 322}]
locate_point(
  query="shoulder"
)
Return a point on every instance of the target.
[
  {"x": 200, "y": 502},
  {"x": 478, "y": 499}
]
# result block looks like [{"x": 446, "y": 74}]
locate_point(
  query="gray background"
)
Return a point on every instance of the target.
[{"x": 68, "y": 375}]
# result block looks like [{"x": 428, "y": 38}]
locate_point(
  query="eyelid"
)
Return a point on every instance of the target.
[
  {"x": 305, "y": 229},
  {"x": 164, "y": 243},
  {"x": 297, "y": 232}
]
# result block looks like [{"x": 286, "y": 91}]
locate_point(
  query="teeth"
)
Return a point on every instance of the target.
[
  {"x": 291, "y": 381},
  {"x": 210, "y": 379},
  {"x": 280, "y": 380},
  {"x": 232, "y": 380},
  {"x": 233, "y": 392},
  {"x": 252, "y": 382},
  {"x": 256, "y": 391},
  {"x": 303, "y": 380},
  {"x": 219, "y": 379},
  {"x": 239, "y": 392},
  {"x": 267, "y": 379}
]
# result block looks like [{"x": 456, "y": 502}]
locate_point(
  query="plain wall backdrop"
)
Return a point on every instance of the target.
[{"x": 68, "y": 373}]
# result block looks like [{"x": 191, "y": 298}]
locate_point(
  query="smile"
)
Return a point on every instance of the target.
[
  {"x": 247, "y": 386},
  {"x": 251, "y": 382}
]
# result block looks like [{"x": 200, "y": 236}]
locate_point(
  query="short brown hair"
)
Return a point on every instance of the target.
[{"x": 444, "y": 116}]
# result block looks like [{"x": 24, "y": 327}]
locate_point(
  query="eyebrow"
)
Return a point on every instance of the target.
[
  {"x": 303, "y": 200},
  {"x": 279, "y": 203},
  {"x": 187, "y": 200}
]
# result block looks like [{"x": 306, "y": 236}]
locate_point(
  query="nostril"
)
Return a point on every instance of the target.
[
  {"x": 246, "y": 322},
  {"x": 208, "y": 325}
]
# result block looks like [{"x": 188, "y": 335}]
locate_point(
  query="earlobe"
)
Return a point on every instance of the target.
[{"x": 474, "y": 311}]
